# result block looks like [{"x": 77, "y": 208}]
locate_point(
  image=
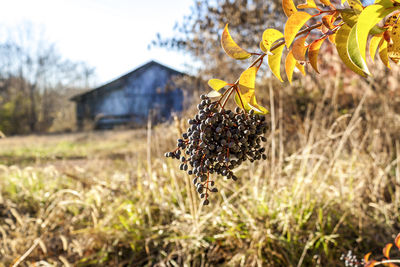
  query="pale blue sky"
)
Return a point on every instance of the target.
[{"x": 111, "y": 35}]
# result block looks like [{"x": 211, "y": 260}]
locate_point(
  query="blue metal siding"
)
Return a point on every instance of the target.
[{"x": 131, "y": 100}]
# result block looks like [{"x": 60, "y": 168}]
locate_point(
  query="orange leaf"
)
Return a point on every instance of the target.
[
  {"x": 288, "y": 7},
  {"x": 299, "y": 48},
  {"x": 327, "y": 21},
  {"x": 231, "y": 48},
  {"x": 294, "y": 23},
  {"x": 370, "y": 263},
  {"x": 397, "y": 241},
  {"x": 313, "y": 52},
  {"x": 290, "y": 62},
  {"x": 386, "y": 250},
  {"x": 366, "y": 257},
  {"x": 308, "y": 4},
  {"x": 324, "y": 29}
]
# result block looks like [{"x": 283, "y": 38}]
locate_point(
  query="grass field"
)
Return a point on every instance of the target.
[{"x": 112, "y": 199}]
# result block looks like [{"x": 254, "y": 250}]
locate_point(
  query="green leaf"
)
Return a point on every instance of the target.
[
  {"x": 231, "y": 48},
  {"x": 342, "y": 36},
  {"x": 217, "y": 84},
  {"x": 293, "y": 25},
  {"x": 274, "y": 62},
  {"x": 354, "y": 52},
  {"x": 385, "y": 3},
  {"x": 368, "y": 18},
  {"x": 349, "y": 16}
]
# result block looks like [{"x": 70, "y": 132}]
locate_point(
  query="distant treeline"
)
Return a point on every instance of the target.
[{"x": 35, "y": 84}]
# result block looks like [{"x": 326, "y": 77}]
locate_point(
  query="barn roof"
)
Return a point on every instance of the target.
[{"x": 116, "y": 84}]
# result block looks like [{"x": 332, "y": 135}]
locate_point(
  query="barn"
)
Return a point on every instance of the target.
[{"x": 130, "y": 99}]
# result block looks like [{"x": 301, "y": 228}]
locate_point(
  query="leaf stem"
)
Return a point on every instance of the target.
[{"x": 260, "y": 58}]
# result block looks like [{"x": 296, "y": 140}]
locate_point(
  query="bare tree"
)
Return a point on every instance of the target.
[{"x": 32, "y": 67}]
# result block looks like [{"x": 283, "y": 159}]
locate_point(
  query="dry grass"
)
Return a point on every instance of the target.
[{"x": 107, "y": 199}]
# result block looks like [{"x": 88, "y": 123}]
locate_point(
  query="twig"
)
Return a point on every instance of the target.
[{"x": 27, "y": 253}]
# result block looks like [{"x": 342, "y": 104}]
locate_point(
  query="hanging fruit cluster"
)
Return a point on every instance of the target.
[{"x": 217, "y": 141}]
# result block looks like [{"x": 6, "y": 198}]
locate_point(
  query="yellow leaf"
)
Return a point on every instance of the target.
[
  {"x": 308, "y": 4},
  {"x": 299, "y": 48},
  {"x": 247, "y": 101},
  {"x": 394, "y": 46},
  {"x": 342, "y": 35},
  {"x": 231, "y": 48},
  {"x": 248, "y": 79},
  {"x": 217, "y": 84},
  {"x": 270, "y": 36},
  {"x": 355, "y": 5},
  {"x": 313, "y": 52},
  {"x": 240, "y": 103},
  {"x": 326, "y": 2},
  {"x": 301, "y": 68},
  {"x": 368, "y": 18},
  {"x": 262, "y": 47},
  {"x": 386, "y": 250},
  {"x": 383, "y": 53},
  {"x": 290, "y": 62},
  {"x": 256, "y": 107},
  {"x": 332, "y": 38},
  {"x": 288, "y": 7},
  {"x": 294, "y": 23},
  {"x": 373, "y": 45},
  {"x": 274, "y": 62},
  {"x": 243, "y": 99}
]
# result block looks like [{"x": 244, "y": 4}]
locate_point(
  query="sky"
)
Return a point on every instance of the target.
[{"x": 110, "y": 35}]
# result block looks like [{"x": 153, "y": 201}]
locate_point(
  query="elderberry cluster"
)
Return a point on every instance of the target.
[{"x": 217, "y": 141}]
